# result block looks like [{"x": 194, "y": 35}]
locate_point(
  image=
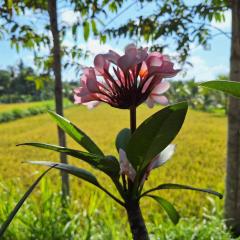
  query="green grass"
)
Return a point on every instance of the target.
[{"x": 199, "y": 161}]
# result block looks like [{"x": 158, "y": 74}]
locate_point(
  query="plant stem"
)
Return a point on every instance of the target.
[
  {"x": 133, "y": 128},
  {"x": 133, "y": 118},
  {"x": 135, "y": 218}
]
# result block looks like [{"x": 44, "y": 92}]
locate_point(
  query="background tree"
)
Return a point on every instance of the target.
[
  {"x": 26, "y": 34},
  {"x": 232, "y": 200}
]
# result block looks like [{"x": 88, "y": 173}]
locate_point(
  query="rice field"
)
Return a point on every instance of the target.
[
  {"x": 199, "y": 159},
  {"x": 8, "y": 107}
]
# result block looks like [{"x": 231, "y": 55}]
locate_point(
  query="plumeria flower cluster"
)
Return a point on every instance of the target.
[{"x": 125, "y": 81}]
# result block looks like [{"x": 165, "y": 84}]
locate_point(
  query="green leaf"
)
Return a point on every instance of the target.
[
  {"x": 86, "y": 30},
  {"x": 107, "y": 164},
  {"x": 184, "y": 187},
  {"x": 123, "y": 138},
  {"x": 229, "y": 87},
  {"x": 78, "y": 135},
  {"x": 155, "y": 134},
  {"x": 168, "y": 207},
  {"x": 94, "y": 27},
  {"x": 77, "y": 172},
  {"x": 20, "y": 203},
  {"x": 103, "y": 39},
  {"x": 74, "y": 29},
  {"x": 80, "y": 173}
]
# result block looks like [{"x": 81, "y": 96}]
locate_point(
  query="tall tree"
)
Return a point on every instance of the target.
[
  {"x": 232, "y": 200},
  {"x": 26, "y": 34},
  {"x": 57, "y": 69}
]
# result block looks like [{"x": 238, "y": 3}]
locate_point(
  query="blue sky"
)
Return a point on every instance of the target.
[{"x": 207, "y": 64}]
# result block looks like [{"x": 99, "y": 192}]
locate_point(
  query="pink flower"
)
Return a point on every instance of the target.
[
  {"x": 125, "y": 166},
  {"x": 125, "y": 81},
  {"x": 159, "y": 160},
  {"x": 156, "y": 94}
]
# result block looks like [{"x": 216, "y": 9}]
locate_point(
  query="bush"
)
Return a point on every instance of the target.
[{"x": 31, "y": 111}]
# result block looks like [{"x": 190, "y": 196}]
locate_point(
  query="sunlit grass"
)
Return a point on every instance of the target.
[{"x": 199, "y": 158}]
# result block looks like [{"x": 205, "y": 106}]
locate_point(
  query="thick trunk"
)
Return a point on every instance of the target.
[
  {"x": 52, "y": 11},
  {"x": 136, "y": 221},
  {"x": 232, "y": 201}
]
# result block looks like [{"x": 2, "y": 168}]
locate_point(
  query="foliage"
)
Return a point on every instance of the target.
[
  {"x": 15, "y": 111},
  {"x": 23, "y": 84},
  {"x": 94, "y": 221},
  {"x": 198, "y": 98},
  {"x": 177, "y": 22},
  {"x": 230, "y": 87},
  {"x": 20, "y": 84},
  {"x": 190, "y": 157}
]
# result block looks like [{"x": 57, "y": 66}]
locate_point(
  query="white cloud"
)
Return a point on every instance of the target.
[
  {"x": 95, "y": 47},
  {"x": 226, "y": 25},
  {"x": 70, "y": 17},
  {"x": 201, "y": 71}
]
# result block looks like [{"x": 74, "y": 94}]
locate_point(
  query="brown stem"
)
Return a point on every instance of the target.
[
  {"x": 136, "y": 221},
  {"x": 133, "y": 118}
]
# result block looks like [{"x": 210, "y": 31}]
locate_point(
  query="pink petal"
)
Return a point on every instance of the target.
[
  {"x": 160, "y": 99},
  {"x": 112, "y": 56},
  {"x": 92, "y": 104},
  {"x": 163, "y": 156},
  {"x": 129, "y": 47},
  {"x": 125, "y": 166},
  {"x": 154, "y": 61},
  {"x": 132, "y": 57},
  {"x": 150, "y": 102},
  {"x": 161, "y": 88},
  {"x": 127, "y": 60},
  {"x": 83, "y": 99},
  {"x": 156, "y": 54},
  {"x": 91, "y": 80},
  {"x": 81, "y": 91},
  {"x": 141, "y": 55},
  {"x": 146, "y": 84},
  {"x": 100, "y": 63}
]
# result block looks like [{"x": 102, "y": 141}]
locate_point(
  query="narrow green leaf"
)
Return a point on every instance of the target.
[
  {"x": 78, "y": 172},
  {"x": 184, "y": 187},
  {"x": 229, "y": 87},
  {"x": 107, "y": 164},
  {"x": 123, "y": 138},
  {"x": 155, "y": 134},
  {"x": 168, "y": 207},
  {"x": 86, "y": 30},
  {"x": 94, "y": 27},
  {"x": 78, "y": 135},
  {"x": 20, "y": 203},
  {"x": 103, "y": 39}
]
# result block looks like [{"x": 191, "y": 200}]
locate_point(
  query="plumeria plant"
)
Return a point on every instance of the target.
[{"x": 125, "y": 82}]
